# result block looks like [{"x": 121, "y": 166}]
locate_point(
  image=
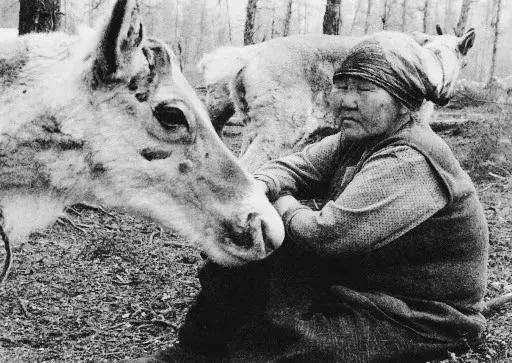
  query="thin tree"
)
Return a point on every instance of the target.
[
  {"x": 202, "y": 27},
  {"x": 230, "y": 31},
  {"x": 177, "y": 21},
  {"x": 250, "y": 20},
  {"x": 288, "y": 18},
  {"x": 495, "y": 25},
  {"x": 332, "y": 17},
  {"x": 368, "y": 17},
  {"x": 354, "y": 21},
  {"x": 385, "y": 14},
  {"x": 37, "y": 16},
  {"x": 426, "y": 12},
  {"x": 404, "y": 15},
  {"x": 463, "y": 17},
  {"x": 306, "y": 12},
  {"x": 273, "y": 27}
]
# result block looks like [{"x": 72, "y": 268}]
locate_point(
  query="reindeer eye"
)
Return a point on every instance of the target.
[{"x": 170, "y": 118}]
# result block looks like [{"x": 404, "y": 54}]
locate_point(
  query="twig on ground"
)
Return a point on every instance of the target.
[
  {"x": 176, "y": 244},
  {"x": 501, "y": 168},
  {"x": 122, "y": 281},
  {"x": 23, "y": 307},
  {"x": 115, "y": 326},
  {"x": 119, "y": 352},
  {"x": 140, "y": 323},
  {"x": 96, "y": 208},
  {"x": 487, "y": 187},
  {"x": 73, "y": 210},
  {"x": 501, "y": 177},
  {"x": 152, "y": 236},
  {"x": 164, "y": 322},
  {"x": 153, "y": 340},
  {"x": 67, "y": 219},
  {"x": 159, "y": 233}
]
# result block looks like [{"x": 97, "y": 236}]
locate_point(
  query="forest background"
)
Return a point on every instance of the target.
[{"x": 193, "y": 28}]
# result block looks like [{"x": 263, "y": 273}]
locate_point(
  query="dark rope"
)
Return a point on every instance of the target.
[{"x": 8, "y": 255}]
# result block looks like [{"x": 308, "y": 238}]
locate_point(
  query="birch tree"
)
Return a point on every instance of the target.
[
  {"x": 250, "y": 20},
  {"x": 495, "y": 26},
  {"x": 426, "y": 13},
  {"x": 202, "y": 28},
  {"x": 230, "y": 30},
  {"x": 404, "y": 15},
  {"x": 356, "y": 13},
  {"x": 332, "y": 17},
  {"x": 385, "y": 14},
  {"x": 273, "y": 27},
  {"x": 463, "y": 17},
  {"x": 368, "y": 17},
  {"x": 288, "y": 18}
]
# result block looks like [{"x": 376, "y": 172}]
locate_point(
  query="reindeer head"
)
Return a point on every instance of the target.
[
  {"x": 109, "y": 118},
  {"x": 448, "y": 53}
]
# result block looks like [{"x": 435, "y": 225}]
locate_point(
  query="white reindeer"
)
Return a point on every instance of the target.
[
  {"x": 107, "y": 117},
  {"x": 280, "y": 88}
]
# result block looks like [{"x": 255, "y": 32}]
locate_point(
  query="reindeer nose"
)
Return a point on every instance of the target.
[
  {"x": 253, "y": 236},
  {"x": 271, "y": 243}
]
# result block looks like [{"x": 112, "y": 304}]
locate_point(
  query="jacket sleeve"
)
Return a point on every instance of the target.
[
  {"x": 394, "y": 191},
  {"x": 304, "y": 173}
]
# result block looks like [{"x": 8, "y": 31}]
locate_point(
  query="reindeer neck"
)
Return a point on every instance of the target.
[
  {"x": 42, "y": 169},
  {"x": 25, "y": 212}
]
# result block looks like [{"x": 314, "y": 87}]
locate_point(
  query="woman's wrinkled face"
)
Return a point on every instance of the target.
[{"x": 365, "y": 110}]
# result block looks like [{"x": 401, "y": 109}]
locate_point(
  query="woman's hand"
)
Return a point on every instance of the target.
[
  {"x": 260, "y": 185},
  {"x": 285, "y": 202}
]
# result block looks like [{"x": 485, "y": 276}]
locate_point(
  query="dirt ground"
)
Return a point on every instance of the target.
[{"x": 103, "y": 286}]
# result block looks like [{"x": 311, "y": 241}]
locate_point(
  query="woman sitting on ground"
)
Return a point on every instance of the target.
[{"x": 393, "y": 266}]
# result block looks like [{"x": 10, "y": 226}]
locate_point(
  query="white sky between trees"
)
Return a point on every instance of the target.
[{"x": 307, "y": 18}]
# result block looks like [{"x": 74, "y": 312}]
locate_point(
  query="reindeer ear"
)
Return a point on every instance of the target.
[
  {"x": 421, "y": 38},
  {"x": 439, "y": 30},
  {"x": 120, "y": 42},
  {"x": 467, "y": 41}
]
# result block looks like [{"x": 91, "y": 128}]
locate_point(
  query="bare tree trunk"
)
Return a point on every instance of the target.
[
  {"x": 91, "y": 7},
  {"x": 306, "y": 11},
  {"x": 202, "y": 28},
  {"x": 385, "y": 14},
  {"x": 288, "y": 18},
  {"x": 230, "y": 31},
  {"x": 177, "y": 22},
  {"x": 368, "y": 17},
  {"x": 495, "y": 26},
  {"x": 358, "y": 9},
  {"x": 425, "y": 16},
  {"x": 273, "y": 28},
  {"x": 39, "y": 16},
  {"x": 463, "y": 17},
  {"x": 250, "y": 19},
  {"x": 332, "y": 17},
  {"x": 404, "y": 15}
]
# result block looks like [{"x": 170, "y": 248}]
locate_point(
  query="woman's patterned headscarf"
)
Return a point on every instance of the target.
[{"x": 393, "y": 62}]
